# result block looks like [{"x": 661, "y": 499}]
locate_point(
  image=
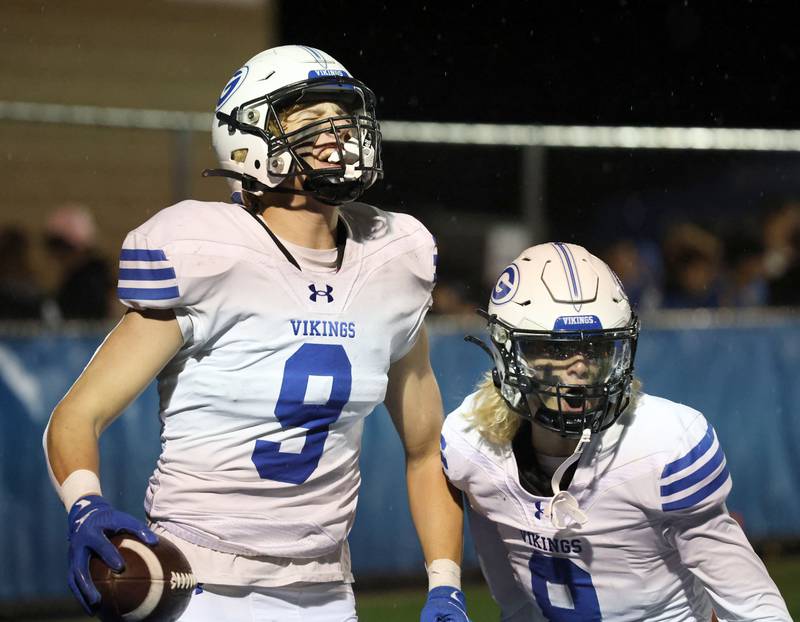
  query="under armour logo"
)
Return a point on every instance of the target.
[
  {"x": 80, "y": 521},
  {"x": 327, "y": 292},
  {"x": 539, "y": 511}
]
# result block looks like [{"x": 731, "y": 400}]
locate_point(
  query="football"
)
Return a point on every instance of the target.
[{"x": 155, "y": 585}]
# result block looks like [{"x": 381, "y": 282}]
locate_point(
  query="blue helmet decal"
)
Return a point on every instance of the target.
[
  {"x": 327, "y": 73},
  {"x": 317, "y": 55},
  {"x": 578, "y": 322},
  {"x": 506, "y": 286},
  {"x": 233, "y": 84},
  {"x": 570, "y": 270}
]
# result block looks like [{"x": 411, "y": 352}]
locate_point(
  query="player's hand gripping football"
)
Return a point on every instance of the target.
[
  {"x": 90, "y": 519},
  {"x": 445, "y": 604}
]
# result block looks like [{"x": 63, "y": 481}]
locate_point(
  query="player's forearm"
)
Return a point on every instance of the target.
[
  {"x": 76, "y": 424},
  {"x": 126, "y": 362},
  {"x": 71, "y": 445},
  {"x": 435, "y": 509}
]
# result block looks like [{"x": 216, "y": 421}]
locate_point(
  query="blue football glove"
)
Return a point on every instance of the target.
[
  {"x": 445, "y": 604},
  {"x": 90, "y": 519}
]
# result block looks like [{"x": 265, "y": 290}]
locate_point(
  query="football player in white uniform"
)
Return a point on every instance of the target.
[
  {"x": 588, "y": 499},
  {"x": 275, "y": 325}
]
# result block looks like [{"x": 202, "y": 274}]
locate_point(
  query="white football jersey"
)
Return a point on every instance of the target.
[
  {"x": 658, "y": 543},
  {"x": 263, "y": 407}
]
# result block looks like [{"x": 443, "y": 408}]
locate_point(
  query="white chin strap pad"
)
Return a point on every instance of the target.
[{"x": 563, "y": 508}]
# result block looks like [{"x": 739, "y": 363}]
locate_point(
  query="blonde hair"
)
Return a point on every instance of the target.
[
  {"x": 283, "y": 115},
  {"x": 497, "y": 423},
  {"x": 491, "y": 415}
]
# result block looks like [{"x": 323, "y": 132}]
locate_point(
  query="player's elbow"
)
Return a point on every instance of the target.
[
  {"x": 424, "y": 453},
  {"x": 68, "y": 439},
  {"x": 70, "y": 424}
]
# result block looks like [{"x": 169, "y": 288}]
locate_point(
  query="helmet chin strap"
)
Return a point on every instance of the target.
[
  {"x": 336, "y": 189},
  {"x": 325, "y": 190},
  {"x": 564, "y": 506}
]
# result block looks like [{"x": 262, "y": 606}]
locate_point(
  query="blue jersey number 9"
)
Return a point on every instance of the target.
[
  {"x": 571, "y": 581},
  {"x": 311, "y": 359}
]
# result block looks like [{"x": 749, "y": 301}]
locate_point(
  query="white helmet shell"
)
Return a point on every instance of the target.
[
  {"x": 249, "y": 98},
  {"x": 556, "y": 302},
  {"x": 559, "y": 287}
]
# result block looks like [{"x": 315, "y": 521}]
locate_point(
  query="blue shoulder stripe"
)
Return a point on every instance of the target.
[
  {"x": 146, "y": 274},
  {"x": 695, "y": 453},
  {"x": 141, "y": 254},
  {"x": 697, "y": 497},
  {"x": 697, "y": 476},
  {"x": 142, "y": 293}
]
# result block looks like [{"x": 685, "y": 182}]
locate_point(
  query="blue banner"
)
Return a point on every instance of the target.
[{"x": 743, "y": 379}]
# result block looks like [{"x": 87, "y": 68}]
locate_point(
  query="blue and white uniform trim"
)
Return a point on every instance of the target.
[
  {"x": 695, "y": 476},
  {"x": 146, "y": 274},
  {"x": 570, "y": 271}
]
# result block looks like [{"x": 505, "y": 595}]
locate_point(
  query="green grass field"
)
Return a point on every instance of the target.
[{"x": 404, "y": 605}]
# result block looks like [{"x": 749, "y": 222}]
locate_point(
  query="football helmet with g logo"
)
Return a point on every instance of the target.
[
  {"x": 563, "y": 339},
  {"x": 257, "y": 153}
]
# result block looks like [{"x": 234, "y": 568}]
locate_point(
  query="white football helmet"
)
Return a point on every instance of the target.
[
  {"x": 257, "y": 154},
  {"x": 563, "y": 339}
]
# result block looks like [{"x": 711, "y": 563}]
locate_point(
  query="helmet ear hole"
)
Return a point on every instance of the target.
[
  {"x": 496, "y": 378},
  {"x": 239, "y": 155}
]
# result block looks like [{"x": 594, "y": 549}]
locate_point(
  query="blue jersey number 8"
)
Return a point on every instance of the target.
[
  {"x": 561, "y": 572},
  {"x": 311, "y": 359}
]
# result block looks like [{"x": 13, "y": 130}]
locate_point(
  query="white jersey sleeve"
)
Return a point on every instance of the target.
[
  {"x": 420, "y": 262},
  {"x": 470, "y": 463},
  {"x": 695, "y": 476},
  {"x": 169, "y": 263},
  {"x": 693, "y": 487},
  {"x": 716, "y": 551}
]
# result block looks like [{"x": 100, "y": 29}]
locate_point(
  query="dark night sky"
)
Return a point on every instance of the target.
[
  {"x": 728, "y": 64},
  {"x": 725, "y": 64}
]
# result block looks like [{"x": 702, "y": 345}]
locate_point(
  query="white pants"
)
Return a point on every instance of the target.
[{"x": 308, "y": 602}]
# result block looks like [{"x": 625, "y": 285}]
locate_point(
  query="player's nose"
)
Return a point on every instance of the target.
[
  {"x": 578, "y": 369},
  {"x": 328, "y": 138}
]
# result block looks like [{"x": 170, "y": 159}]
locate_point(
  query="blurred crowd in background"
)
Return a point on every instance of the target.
[
  {"x": 692, "y": 266},
  {"x": 76, "y": 283},
  {"x": 696, "y": 266}
]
